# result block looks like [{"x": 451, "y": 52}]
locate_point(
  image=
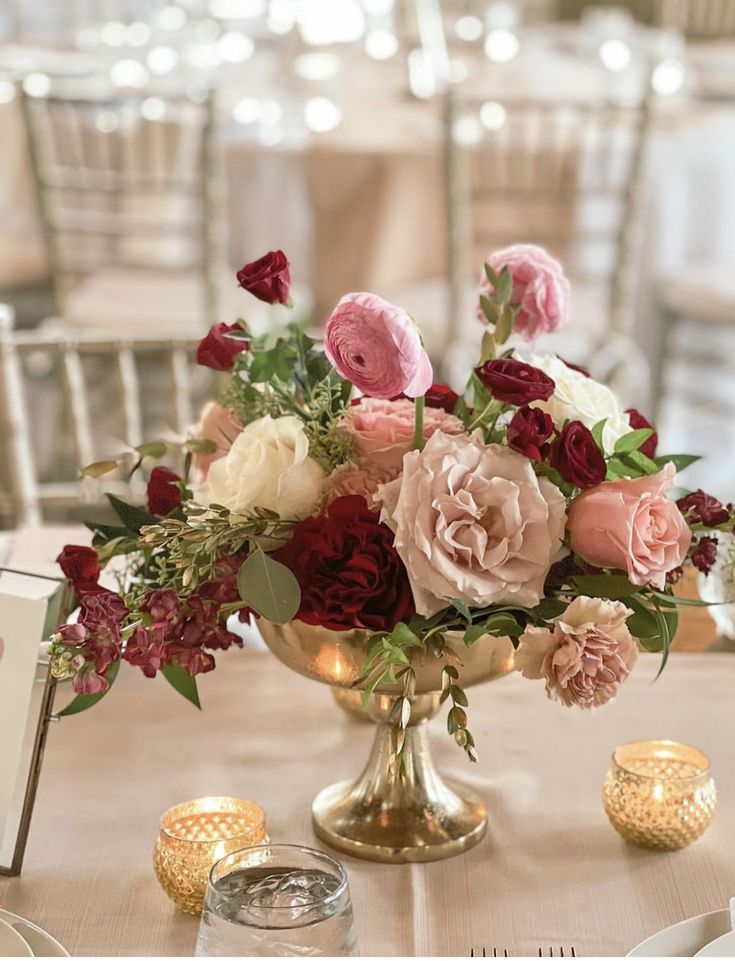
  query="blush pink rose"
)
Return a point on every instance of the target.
[
  {"x": 382, "y": 430},
  {"x": 377, "y": 347},
  {"x": 221, "y": 426},
  {"x": 540, "y": 289},
  {"x": 473, "y": 521},
  {"x": 631, "y": 526},
  {"x": 362, "y": 478},
  {"x": 586, "y": 657}
]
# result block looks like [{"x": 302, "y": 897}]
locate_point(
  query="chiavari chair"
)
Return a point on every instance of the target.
[{"x": 697, "y": 19}]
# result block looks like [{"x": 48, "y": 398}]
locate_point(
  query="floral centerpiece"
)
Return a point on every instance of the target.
[{"x": 342, "y": 488}]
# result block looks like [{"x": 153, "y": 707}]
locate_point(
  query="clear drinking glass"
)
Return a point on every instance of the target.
[{"x": 277, "y": 900}]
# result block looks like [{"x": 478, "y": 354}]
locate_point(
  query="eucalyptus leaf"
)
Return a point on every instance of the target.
[
  {"x": 182, "y": 682},
  {"x": 153, "y": 448},
  {"x": 83, "y": 702},
  {"x": 269, "y": 588},
  {"x": 99, "y": 468}
]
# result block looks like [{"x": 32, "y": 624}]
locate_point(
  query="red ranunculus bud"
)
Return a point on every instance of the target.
[
  {"x": 577, "y": 457},
  {"x": 703, "y": 508},
  {"x": 639, "y": 422},
  {"x": 514, "y": 382},
  {"x": 81, "y": 565},
  {"x": 529, "y": 432},
  {"x": 218, "y": 351},
  {"x": 267, "y": 278},
  {"x": 442, "y": 397},
  {"x": 704, "y": 554},
  {"x": 164, "y": 495}
]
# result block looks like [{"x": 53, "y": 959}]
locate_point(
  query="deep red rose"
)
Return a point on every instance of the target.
[
  {"x": 704, "y": 554},
  {"x": 267, "y": 278},
  {"x": 349, "y": 572},
  {"x": 529, "y": 432},
  {"x": 703, "y": 508},
  {"x": 81, "y": 565},
  {"x": 164, "y": 495},
  {"x": 577, "y": 457},
  {"x": 442, "y": 397},
  {"x": 218, "y": 351},
  {"x": 639, "y": 422},
  {"x": 514, "y": 382}
]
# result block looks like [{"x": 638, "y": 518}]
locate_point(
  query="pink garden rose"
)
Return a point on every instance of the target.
[
  {"x": 540, "y": 289},
  {"x": 382, "y": 430},
  {"x": 631, "y": 526},
  {"x": 474, "y": 522},
  {"x": 221, "y": 426},
  {"x": 586, "y": 657},
  {"x": 377, "y": 347},
  {"x": 351, "y": 478}
]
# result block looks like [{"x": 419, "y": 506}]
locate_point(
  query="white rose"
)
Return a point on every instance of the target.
[
  {"x": 267, "y": 466},
  {"x": 577, "y": 397}
]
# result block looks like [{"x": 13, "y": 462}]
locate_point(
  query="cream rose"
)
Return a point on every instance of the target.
[
  {"x": 577, "y": 397},
  {"x": 472, "y": 521},
  {"x": 267, "y": 466}
]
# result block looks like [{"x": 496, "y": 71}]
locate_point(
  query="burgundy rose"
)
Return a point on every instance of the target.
[
  {"x": 639, "y": 422},
  {"x": 577, "y": 457},
  {"x": 441, "y": 396},
  {"x": 529, "y": 432},
  {"x": 704, "y": 554},
  {"x": 349, "y": 572},
  {"x": 267, "y": 278},
  {"x": 81, "y": 565},
  {"x": 218, "y": 350},
  {"x": 703, "y": 508},
  {"x": 514, "y": 382},
  {"x": 164, "y": 494}
]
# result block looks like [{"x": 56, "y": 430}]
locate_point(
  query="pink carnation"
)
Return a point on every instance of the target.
[
  {"x": 586, "y": 657},
  {"x": 382, "y": 430},
  {"x": 377, "y": 347},
  {"x": 362, "y": 479},
  {"x": 540, "y": 289}
]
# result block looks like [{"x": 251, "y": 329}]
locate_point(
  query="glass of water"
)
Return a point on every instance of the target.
[{"x": 277, "y": 900}]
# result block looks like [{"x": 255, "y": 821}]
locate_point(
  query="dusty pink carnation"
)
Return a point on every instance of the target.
[
  {"x": 363, "y": 479},
  {"x": 586, "y": 657},
  {"x": 377, "y": 347},
  {"x": 540, "y": 289},
  {"x": 221, "y": 426},
  {"x": 382, "y": 430},
  {"x": 473, "y": 521}
]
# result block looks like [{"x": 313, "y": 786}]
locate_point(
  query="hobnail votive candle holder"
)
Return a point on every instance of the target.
[
  {"x": 196, "y": 834},
  {"x": 659, "y": 794}
]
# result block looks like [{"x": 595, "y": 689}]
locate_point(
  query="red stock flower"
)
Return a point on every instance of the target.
[
  {"x": 194, "y": 660},
  {"x": 529, "y": 432},
  {"x": 704, "y": 554},
  {"x": 163, "y": 606},
  {"x": 81, "y": 565},
  {"x": 349, "y": 572},
  {"x": 703, "y": 508},
  {"x": 514, "y": 382},
  {"x": 218, "y": 351},
  {"x": 145, "y": 649},
  {"x": 577, "y": 457},
  {"x": 267, "y": 278},
  {"x": 639, "y": 422},
  {"x": 164, "y": 495}
]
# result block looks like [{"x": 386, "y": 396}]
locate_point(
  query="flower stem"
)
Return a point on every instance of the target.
[{"x": 418, "y": 433}]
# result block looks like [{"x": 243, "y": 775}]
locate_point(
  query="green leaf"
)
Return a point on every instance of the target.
[
  {"x": 106, "y": 532},
  {"x": 550, "y": 607},
  {"x": 640, "y": 463},
  {"x": 491, "y": 275},
  {"x": 680, "y": 461},
  {"x": 504, "y": 287},
  {"x": 278, "y": 362},
  {"x": 685, "y": 601},
  {"x": 460, "y": 606},
  {"x": 597, "y": 431},
  {"x": 403, "y": 636},
  {"x": 153, "y": 448},
  {"x": 644, "y": 625},
  {"x": 132, "y": 517},
  {"x": 504, "y": 326},
  {"x": 632, "y": 440},
  {"x": 473, "y": 634},
  {"x": 83, "y": 702},
  {"x": 99, "y": 468},
  {"x": 200, "y": 445},
  {"x": 269, "y": 588},
  {"x": 182, "y": 682},
  {"x": 489, "y": 309},
  {"x": 612, "y": 586}
]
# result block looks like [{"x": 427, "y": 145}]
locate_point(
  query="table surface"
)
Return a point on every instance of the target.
[{"x": 550, "y": 872}]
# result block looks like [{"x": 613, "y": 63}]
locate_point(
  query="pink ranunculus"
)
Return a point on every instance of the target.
[
  {"x": 631, "y": 526},
  {"x": 363, "y": 478},
  {"x": 540, "y": 289},
  {"x": 586, "y": 657},
  {"x": 473, "y": 521},
  {"x": 382, "y": 430},
  {"x": 377, "y": 347},
  {"x": 221, "y": 426}
]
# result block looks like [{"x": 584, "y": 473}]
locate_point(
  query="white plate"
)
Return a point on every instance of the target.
[
  {"x": 723, "y": 947},
  {"x": 41, "y": 943},
  {"x": 12, "y": 943},
  {"x": 684, "y": 939}
]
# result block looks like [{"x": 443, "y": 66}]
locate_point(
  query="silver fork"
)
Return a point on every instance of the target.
[
  {"x": 503, "y": 953},
  {"x": 494, "y": 953},
  {"x": 560, "y": 954}
]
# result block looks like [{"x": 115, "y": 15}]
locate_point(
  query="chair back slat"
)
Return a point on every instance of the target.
[
  {"x": 698, "y": 19},
  {"x": 76, "y": 391},
  {"x": 130, "y": 385}
]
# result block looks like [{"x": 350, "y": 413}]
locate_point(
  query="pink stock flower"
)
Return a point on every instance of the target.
[
  {"x": 632, "y": 526},
  {"x": 540, "y": 289},
  {"x": 382, "y": 430},
  {"x": 377, "y": 347},
  {"x": 89, "y": 682},
  {"x": 586, "y": 657},
  {"x": 219, "y": 425}
]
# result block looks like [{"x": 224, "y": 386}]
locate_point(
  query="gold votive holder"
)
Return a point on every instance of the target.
[
  {"x": 196, "y": 834},
  {"x": 659, "y": 794}
]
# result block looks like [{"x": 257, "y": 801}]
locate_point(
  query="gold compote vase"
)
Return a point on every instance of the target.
[{"x": 394, "y": 812}]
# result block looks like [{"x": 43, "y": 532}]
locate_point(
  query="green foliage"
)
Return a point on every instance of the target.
[
  {"x": 184, "y": 683},
  {"x": 680, "y": 461},
  {"x": 612, "y": 586},
  {"x": 269, "y": 587},
  {"x": 457, "y": 716},
  {"x": 134, "y": 518},
  {"x": 632, "y": 440}
]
